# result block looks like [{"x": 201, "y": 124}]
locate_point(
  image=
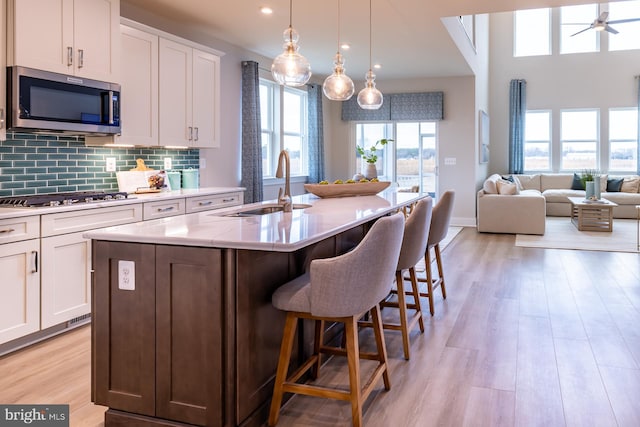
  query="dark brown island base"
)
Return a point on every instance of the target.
[{"x": 184, "y": 332}]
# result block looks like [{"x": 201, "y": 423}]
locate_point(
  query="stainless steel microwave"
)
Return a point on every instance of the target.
[{"x": 46, "y": 102}]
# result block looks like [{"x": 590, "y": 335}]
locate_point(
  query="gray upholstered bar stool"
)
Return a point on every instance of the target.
[
  {"x": 340, "y": 289},
  {"x": 414, "y": 244},
  {"x": 439, "y": 227}
]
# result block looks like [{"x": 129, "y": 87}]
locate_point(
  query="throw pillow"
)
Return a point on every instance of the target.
[
  {"x": 489, "y": 185},
  {"x": 603, "y": 182},
  {"x": 507, "y": 187},
  {"x": 614, "y": 185},
  {"x": 631, "y": 184},
  {"x": 528, "y": 182},
  {"x": 577, "y": 183}
]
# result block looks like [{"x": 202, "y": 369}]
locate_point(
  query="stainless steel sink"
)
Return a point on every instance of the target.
[{"x": 266, "y": 209}]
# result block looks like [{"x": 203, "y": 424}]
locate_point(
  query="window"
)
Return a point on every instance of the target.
[
  {"x": 410, "y": 160},
  {"x": 574, "y": 19},
  {"x": 579, "y": 130},
  {"x": 366, "y": 135},
  {"x": 623, "y": 139},
  {"x": 628, "y": 36},
  {"x": 532, "y": 32},
  {"x": 283, "y": 116},
  {"x": 537, "y": 141}
]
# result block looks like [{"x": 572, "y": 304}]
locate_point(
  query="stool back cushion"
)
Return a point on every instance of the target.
[
  {"x": 416, "y": 232},
  {"x": 350, "y": 284},
  {"x": 440, "y": 218}
]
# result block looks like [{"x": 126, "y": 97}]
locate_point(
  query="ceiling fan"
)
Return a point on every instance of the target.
[{"x": 601, "y": 24}]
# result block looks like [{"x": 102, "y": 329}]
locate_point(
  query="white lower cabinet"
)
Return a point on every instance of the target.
[
  {"x": 66, "y": 278},
  {"x": 20, "y": 289}
]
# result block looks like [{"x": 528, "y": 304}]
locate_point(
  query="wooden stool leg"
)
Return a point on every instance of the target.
[
  {"x": 402, "y": 305},
  {"x": 317, "y": 343},
  {"x": 429, "y": 280},
  {"x": 283, "y": 366},
  {"x": 440, "y": 271},
  {"x": 380, "y": 344},
  {"x": 415, "y": 291},
  {"x": 353, "y": 360}
]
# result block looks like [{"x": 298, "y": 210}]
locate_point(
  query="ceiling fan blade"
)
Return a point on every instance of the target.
[
  {"x": 621, "y": 21},
  {"x": 581, "y": 31},
  {"x": 609, "y": 29},
  {"x": 603, "y": 17}
]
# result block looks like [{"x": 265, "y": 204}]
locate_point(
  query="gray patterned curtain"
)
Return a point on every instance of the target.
[
  {"x": 398, "y": 106},
  {"x": 517, "y": 113},
  {"x": 316, "y": 137},
  {"x": 251, "y": 133},
  {"x": 638, "y": 136}
]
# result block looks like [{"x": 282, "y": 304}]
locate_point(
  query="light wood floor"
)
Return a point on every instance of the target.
[{"x": 526, "y": 337}]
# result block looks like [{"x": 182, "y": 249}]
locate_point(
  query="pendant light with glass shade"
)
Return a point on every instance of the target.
[
  {"x": 338, "y": 86},
  {"x": 370, "y": 98},
  {"x": 290, "y": 68}
]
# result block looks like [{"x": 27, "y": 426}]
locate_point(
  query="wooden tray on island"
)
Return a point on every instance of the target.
[{"x": 347, "y": 189}]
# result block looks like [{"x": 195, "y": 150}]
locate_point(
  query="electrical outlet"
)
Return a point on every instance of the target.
[
  {"x": 167, "y": 163},
  {"x": 127, "y": 275},
  {"x": 111, "y": 164}
]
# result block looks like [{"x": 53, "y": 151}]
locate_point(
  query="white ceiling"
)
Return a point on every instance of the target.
[{"x": 409, "y": 40}]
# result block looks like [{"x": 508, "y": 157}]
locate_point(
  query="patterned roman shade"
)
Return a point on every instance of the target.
[{"x": 398, "y": 106}]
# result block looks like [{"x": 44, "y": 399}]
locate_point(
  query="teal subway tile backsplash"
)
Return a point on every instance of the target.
[{"x": 37, "y": 164}]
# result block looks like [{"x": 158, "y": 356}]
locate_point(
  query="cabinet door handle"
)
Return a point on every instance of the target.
[
  {"x": 1, "y": 118},
  {"x": 7, "y": 230},
  {"x": 69, "y": 56},
  {"x": 196, "y": 138},
  {"x": 207, "y": 203},
  {"x": 190, "y": 133},
  {"x": 228, "y": 200},
  {"x": 167, "y": 209},
  {"x": 35, "y": 261},
  {"x": 80, "y": 58}
]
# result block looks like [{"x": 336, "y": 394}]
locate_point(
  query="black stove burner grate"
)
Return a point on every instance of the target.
[{"x": 60, "y": 199}]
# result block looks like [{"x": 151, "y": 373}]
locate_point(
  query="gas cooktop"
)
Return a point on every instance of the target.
[{"x": 60, "y": 199}]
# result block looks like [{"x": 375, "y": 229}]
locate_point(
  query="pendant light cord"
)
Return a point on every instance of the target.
[
  {"x": 338, "y": 26},
  {"x": 370, "y": 19},
  {"x": 290, "y": 13}
]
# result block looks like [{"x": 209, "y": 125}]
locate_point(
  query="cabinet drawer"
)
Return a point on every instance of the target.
[
  {"x": 17, "y": 229},
  {"x": 82, "y": 220},
  {"x": 153, "y": 210},
  {"x": 215, "y": 201}
]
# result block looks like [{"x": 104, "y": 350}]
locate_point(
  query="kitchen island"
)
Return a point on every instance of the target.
[{"x": 184, "y": 332}]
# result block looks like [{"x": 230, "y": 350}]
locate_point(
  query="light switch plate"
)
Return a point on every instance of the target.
[
  {"x": 449, "y": 161},
  {"x": 167, "y": 163},
  {"x": 110, "y": 164},
  {"x": 127, "y": 275}
]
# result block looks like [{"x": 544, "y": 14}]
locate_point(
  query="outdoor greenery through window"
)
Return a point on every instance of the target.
[
  {"x": 537, "y": 141},
  {"x": 579, "y": 136},
  {"x": 623, "y": 139},
  {"x": 410, "y": 160},
  {"x": 283, "y": 116}
]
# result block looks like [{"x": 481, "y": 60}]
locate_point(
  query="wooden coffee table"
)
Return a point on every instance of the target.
[{"x": 592, "y": 216}]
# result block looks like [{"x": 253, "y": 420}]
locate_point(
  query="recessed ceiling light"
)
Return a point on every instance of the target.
[
  {"x": 266, "y": 10},
  {"x": 377, "y": 66},
  {"x": 345, "y": 46}
]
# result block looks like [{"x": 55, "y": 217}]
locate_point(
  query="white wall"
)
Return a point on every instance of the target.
[{"x": 589, "y": 80}]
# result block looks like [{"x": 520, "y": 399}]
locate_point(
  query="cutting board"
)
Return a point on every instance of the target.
[{"x": 132, "y": 181}]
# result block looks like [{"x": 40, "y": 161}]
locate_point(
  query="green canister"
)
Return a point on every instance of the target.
[
  {"x": 190, "y": 178},
  {"x": 174, "y": 179}
]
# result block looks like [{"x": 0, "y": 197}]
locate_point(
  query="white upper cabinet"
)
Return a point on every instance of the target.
[
  {"x": 139, "y": 108},
  {"x": 77, "y": 37},
  {"x": 189, "y": 96}
]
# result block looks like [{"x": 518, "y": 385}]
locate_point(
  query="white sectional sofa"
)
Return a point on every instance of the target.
[{"x": 520, "y": 207}]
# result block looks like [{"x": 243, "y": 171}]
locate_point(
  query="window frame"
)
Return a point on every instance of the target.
[
  {"x": 611, "y": 140},
  {"x": 597, "y": 140},
  {"x": 549, "y": 33},
  {"x": 275, "y": 125}
]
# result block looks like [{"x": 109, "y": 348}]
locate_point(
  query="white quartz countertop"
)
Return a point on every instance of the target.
[
  {"x": 279, "y": 231},
  {"x": 6, "y": 213}
]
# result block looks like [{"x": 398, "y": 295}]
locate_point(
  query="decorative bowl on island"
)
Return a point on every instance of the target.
[{"x": 347, "y": 189}]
